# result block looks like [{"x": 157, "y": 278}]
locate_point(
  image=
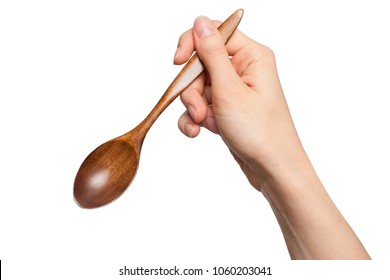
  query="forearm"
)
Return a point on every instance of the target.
[
  {"x": 246, "y": 96},
  {"x": 312, "y": 225}
]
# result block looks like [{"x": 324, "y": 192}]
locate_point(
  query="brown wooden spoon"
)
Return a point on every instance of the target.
[{"x": 107, "y": 172}]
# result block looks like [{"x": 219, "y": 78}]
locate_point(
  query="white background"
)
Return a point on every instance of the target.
[{"x": 74, "y": 74}]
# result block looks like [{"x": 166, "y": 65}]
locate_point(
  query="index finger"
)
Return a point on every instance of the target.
[{"x": 185, "y": 46}]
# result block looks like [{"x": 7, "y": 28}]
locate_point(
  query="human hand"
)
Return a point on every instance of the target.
[{"x": 240, "y": 98}]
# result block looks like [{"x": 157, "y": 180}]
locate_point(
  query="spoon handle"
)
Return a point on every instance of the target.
[{"x": 188, "y": 74}]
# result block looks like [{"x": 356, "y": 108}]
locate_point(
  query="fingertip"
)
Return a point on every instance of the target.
[
  {"x": 183, "y": 54},
  {"x": 187, "y": 126},
  {"x": 185, "y": 48},
  {"x": 196, "y": 108},
  {"x": 191, "y": 130},
  {"x": 176, "y": 57},
  {"x": 203, "y": 27}
]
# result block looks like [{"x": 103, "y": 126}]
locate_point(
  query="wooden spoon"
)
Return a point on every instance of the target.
[{"x": 107, "y": 172}]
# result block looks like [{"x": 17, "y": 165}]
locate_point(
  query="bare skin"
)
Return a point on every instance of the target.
[{"x": 241, "y": 92}]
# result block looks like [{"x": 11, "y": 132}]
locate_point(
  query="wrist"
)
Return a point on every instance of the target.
[
  {"x": 308, "y": 218},
  {"x": 285, "y": 170}
]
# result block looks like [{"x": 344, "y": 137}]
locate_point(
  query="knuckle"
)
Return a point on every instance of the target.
[{"x": 267, "y": 54}]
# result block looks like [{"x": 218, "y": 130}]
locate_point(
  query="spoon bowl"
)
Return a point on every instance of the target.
[
  {"x": 108, "y": 170},
  {"x": 106, "y": 173}
]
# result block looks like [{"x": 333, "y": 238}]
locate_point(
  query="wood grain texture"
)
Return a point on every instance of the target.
[{"x": 108, "y": 171}]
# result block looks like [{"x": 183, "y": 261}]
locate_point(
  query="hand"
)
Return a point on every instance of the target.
[{"x": 240, "y": 98}]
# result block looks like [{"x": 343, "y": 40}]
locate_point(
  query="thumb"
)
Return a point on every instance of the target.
[{"x": 212, "y": 51}]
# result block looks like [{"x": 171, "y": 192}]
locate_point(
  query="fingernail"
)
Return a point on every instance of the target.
[
  {"x": 204, "y": 27},
  {"x": 192, "y": 111},
  {"x": 189, "y": 130},
  {"x": 177, "y": 53}
]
